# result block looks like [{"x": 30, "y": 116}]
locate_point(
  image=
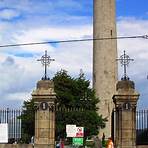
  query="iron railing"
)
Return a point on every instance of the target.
[
  {"x": 11, "y": 117},
  {"x": 142, "y": 127}
]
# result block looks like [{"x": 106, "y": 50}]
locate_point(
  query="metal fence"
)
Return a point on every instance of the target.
[
  {"x": 142, "y": 127},
  {"x": 11, "y": 117}
]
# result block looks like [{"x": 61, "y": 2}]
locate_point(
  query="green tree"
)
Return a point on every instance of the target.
[
  {"x": 76, "y": 104},
  {"x": 28, "y": 120},
  {"x": 75, "y": 93}
]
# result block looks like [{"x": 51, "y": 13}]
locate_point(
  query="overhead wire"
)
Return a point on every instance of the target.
[{"x": 73, "y": 40}]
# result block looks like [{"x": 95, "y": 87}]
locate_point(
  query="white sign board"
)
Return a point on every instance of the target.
[
  {"x": 71, "y": 130},
  {"x": 3, "y": 133},
  {"x": 79, "y": 132}
]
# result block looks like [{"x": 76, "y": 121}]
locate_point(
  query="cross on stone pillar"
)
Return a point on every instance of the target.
[
  {"x": 45, "y": 60},
  {"x": 44, "y": 99},
  {"x": 125, "y": 100},
  {"x": 125, "y": 60}
]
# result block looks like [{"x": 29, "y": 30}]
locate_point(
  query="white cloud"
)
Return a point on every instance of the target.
[
  {"x": 20, "y": 96},
  {"x": 9, "y": 14},
  {"x": 10, "y": 74},
  {"x": 26, "y": 71},
  {"x": 74, "y": 57},
  {"x": 49, "y": 34},
  {"x": 132, "y": 26},
  {"x": 138, "y": 50},
  {"x": 53, "y": 33}
]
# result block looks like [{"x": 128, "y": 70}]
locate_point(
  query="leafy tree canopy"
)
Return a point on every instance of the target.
[{"x": 72, "y": 93}]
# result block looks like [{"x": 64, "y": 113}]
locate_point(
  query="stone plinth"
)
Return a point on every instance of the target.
[
  {"x": 125, "y": 101},
  {"x": 26, "y": 146},
  {"x": 16, "y": 146},
  {"x": 44, "y": 98}
]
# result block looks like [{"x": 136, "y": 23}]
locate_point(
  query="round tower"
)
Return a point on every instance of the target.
[{"x": 104, "y": 58}]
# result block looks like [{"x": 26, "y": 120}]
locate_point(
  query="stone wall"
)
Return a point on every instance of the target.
[
  {"x": 142, "y": 146},
  {"x": 16, "y": 146},
  {"x": 24, "y": 146},
  {"x": 42, "y": 146}
]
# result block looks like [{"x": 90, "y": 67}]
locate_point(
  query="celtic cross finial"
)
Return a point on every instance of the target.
[
  {"x": 125, "y": 60},
  {"x": 45, "y": 60}
]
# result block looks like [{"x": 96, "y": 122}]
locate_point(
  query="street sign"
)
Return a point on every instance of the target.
[
  {"x": 71, "y": 130},
  {"x": 4, "y": 133},
  {"x": 80, "y": 132},
  {"x": 77, "y": 141}
]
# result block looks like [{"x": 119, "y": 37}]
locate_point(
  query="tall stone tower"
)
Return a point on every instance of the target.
[{"x": 104, "y": 58}]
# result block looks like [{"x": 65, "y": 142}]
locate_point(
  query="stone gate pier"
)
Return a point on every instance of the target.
[
  {"x": 44, "y": 97},
  {"x": 125, "y": 101}
]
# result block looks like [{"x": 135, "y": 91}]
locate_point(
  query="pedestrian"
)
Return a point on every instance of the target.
[
  {"x": 103, "y": 140},
  {"x": 97, "y": 142},
  {"x": 62, "y": 143},
  {"x": 110, "y": 143},
  {"x": 58, "y": 145}
]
